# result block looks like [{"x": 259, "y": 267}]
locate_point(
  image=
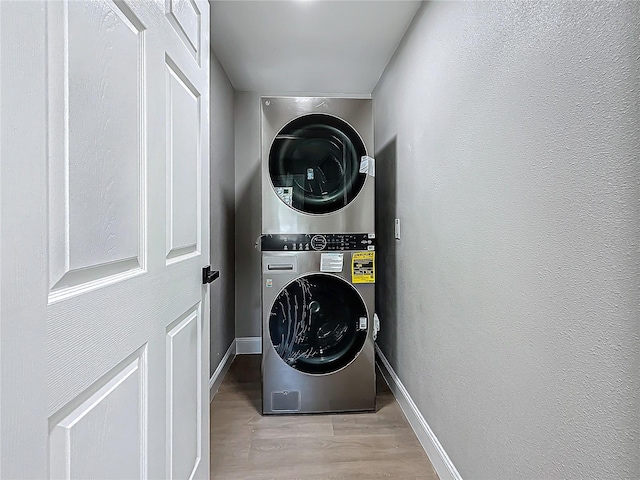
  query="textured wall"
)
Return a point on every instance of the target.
[
  {"x": 514, "y": 128},
  {"x": 222, "y": 291},
  {"x": 248, "y": 208}
]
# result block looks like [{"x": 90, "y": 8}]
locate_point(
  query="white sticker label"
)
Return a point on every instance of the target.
[
  {"x": 376, "y": 325},
  {"x": 331, "y": 262},
  {"x": 286, "y": 194},
  {"x": 363, "y": 323},
  {"x": 368, "y": 165}
]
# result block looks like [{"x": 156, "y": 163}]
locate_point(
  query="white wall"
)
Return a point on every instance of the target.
[
  {"x": 222, "y": 202},
  {"x": 507, "y": 140}
]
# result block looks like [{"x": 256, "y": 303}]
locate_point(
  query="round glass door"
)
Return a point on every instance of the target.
[
  {"x": 314, "y": 164},
  {"x": 314, "y": 324}
]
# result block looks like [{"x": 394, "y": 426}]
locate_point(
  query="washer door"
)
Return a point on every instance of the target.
[
  {"x": 314, "y": 324},
  {"x": 314, "y": 164}
]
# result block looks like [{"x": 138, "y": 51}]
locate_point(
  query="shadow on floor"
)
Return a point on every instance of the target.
[{"x": 244, "y": 377}]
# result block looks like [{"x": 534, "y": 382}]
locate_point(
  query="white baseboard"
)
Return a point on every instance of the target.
[
  {"x": 439, "y": 459},
  {"x": 216, "y": 379},
  {"x": 240, "y": 346},
  {"x": 248, "y": 345}
]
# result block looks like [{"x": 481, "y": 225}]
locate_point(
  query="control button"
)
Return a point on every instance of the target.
[
  {"x": 294, "y": 245},
  {"x": 319, "y": 242},
  {"x": 306, "y": 247},
  {"x": 286, "y": 248}
]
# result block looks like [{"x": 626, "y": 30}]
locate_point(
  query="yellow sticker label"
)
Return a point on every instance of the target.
[{"x": 363, "y": 267}]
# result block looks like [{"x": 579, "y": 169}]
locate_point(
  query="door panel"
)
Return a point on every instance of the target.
[
  {"x": 111, "y": 419},
  {"x": 93, "y": 332},
  {"x": 185, "y": 17},
  {"x": 183, "y": 153},
  {"x": 125, "y": 208},
  {"x": 184, "y": 396},
  {"x": 96, "y": 163}
]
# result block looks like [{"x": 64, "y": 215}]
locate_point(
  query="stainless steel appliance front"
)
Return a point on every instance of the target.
[
  {"x": 312, "y": 175},
  {"x": 317, "y": 341}
]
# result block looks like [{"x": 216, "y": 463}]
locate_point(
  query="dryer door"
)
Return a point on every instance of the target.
[
  {"x": 314, "y": 164},
  {"x": 315, "y": 324}
]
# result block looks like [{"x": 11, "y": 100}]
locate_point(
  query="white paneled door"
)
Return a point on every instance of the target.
[{"x": 105, "y": 230}]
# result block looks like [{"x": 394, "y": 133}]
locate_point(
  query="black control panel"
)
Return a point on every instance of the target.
[{"x": 317, "y": 242}]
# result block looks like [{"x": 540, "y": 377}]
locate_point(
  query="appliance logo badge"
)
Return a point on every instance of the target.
[{"x": 268, "y": 283}]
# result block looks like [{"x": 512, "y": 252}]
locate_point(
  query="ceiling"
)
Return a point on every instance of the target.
[{"x": 307, "y": 46}]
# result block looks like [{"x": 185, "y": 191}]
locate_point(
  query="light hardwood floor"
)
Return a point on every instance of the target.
[{"x": 246, "y": 445}]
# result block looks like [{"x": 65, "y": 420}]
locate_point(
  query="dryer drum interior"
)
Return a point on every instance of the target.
[
  {"x": 314, "y": 164},
  {"x": 314, "y": 324}
]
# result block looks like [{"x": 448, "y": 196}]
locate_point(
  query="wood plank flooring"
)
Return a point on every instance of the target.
[{"x": 246, "y": 445}]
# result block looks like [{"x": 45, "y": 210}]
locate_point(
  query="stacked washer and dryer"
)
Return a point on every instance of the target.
[{"x": 318, "y": 255}]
